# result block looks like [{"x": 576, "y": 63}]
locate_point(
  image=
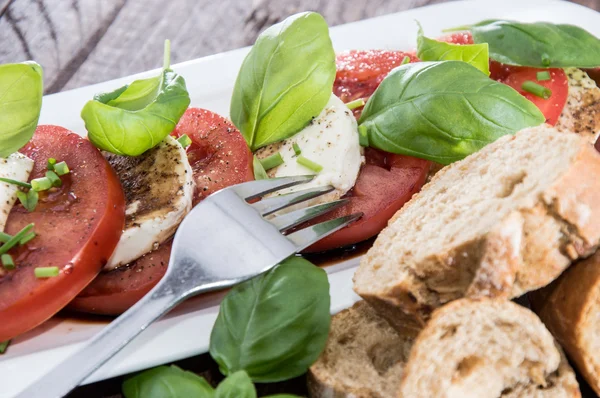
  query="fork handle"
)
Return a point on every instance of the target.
[{"x": 76, "y": 368}]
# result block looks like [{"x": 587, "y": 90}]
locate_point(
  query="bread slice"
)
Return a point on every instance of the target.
[
  {"x": 364, "y": 357},
  {"x": 486, "y": 348},
  {"x": 570, "y": 308},
  {"x": 581, "y": 113},
  {"x": 503, "y": 221}
]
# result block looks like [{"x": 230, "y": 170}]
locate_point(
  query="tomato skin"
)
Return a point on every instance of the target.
[
  {"x": 214, "y": 169},
  {"x": 359, "y": 73},
  {"x": 114, "y": 292},
  {"x": 219, "y": 158},
  {"x": 78, "y": 227},
  {"x": 384, "y": 184}
]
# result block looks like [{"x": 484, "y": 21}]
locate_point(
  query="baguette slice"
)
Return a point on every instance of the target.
[
  {"x": 504, "y": 221},
  {"x": 570, "y": 308},
  {"x": 364, "y": 357},
  {"x": 486, "y": 348}
]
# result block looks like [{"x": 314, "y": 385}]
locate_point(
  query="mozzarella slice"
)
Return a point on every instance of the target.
[
  {"x": 159, "y": 189},
  {"x": 331, "y": 140},
  {"x": 581, "y": 112},
  {"x": 16, "y": 167}
]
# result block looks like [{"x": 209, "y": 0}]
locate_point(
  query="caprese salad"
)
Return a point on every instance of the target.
[{"x": 86, "y": 223}]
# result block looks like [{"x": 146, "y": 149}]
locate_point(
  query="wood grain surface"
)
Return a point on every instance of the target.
[{"x": 81, "y": 42}]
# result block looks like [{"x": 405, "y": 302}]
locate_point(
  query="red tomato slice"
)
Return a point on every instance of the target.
[
  {"x": 219, "y": 154},
  {"x": 360, "y": 72},
  {"x": 219, "y": 158},
  {"x": 384, "y": 184},
  {"x": 78, "y": 227},
  {"x": 112, "y": 293},
  {"x": 515, "y": 76}
]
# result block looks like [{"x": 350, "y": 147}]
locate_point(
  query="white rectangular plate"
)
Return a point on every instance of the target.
[{"x": 185, "y": 332}]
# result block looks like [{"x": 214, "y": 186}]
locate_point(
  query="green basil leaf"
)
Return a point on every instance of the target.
[
  {"x": 21, "y": 91},
  {"x": 443, "y": 111},
  {"x": 540, "y": 44},
  {"x": 167, "y": 382},
  {"x": 284, "y": 81},
  {"x": 283, "y": 396},
  {"x": 136, "y": 117},
  {"x": 236, "y": 385},
  {"x": 259, "y": 171},
  {"x": 274, "y": 326},
  {"x": 433, "y": 50}
]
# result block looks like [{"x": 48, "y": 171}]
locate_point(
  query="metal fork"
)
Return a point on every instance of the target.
[{"x": 223, "y": 241}]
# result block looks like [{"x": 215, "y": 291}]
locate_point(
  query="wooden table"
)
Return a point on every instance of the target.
[{"x": 81, "y": 42}]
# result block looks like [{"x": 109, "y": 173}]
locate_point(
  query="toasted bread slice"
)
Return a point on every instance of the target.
[
  {"x": 581, "y": 113},
  {"x": 486, "y": 348},
  {"x": 504, "y": 221},
  {"x": 364, "y": 357},
  {"x": 569, "y": 307}
]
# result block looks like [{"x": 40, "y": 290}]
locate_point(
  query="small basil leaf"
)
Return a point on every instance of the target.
[
  {"x": 284, "y": 81},
  {"x": 166, "y": 382},
  {"x": 433, "y": 50},
  {"x": 236, "y": 385},
  {"x": 259, "y": 171},
  {"x": 274, "y": 326},
  {"x": 21, "y": 90},
  {"x": 137, "y": 95},
  {"x": 443, "y": 111},
  {"x": 540, "y": 44}
]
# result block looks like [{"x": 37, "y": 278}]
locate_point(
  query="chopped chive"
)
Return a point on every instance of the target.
[
  {"x": 309, "y": 164},
  {"x": 543, "y": 76},
  {"x": 355, "y": 104},
  {"x": 363, "y": 138},
  {"x": 27, "y": 238},
  {"x": 15, "y": 239},
  {"x": 184, "y": 141},
  {"x": 546, "y": 60},
  {"x": 259, "y": 170},
  {"x": 41, "y": 184},
  {"x": 3, "y": 346},
  {"x": 29, "y": 200},
  {"x": 54, "y": 178},
  {"x": 272, "y": 161},
  {"x": 7, "y": 261},
  {"x": 15, "y": 182},
  {"x": 405, "y": 60},
  {"x": 536, "y": 89},
  {"x": 51, "y": 163},
  {"x": 296, "y": 148},
  {"x": 45, "y": 272},
  {"x": 61, "y": 168},
  {"x": 4, "y": 237}
]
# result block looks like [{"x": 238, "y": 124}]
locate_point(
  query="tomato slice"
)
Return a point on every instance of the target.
[
  {"x": 384, "y": 184},
  {"x": 219, "y": 157},
  {"x": 515, "y": 76},
  {"x": 112, "y": 293},
  {"x": 359, "y": 73},
  {"x": 218, "y": 154},
  {"x": 78, "y": 227}
]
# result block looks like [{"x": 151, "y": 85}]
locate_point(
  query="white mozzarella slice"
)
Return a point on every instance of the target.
[
  {"x": 16, "y": 167},
  {"x": 331, "y": 140},
  {"x": 159, "y": 188}
]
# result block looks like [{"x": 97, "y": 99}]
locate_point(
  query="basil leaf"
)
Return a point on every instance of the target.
[
  {"x": 274, "y": 326},
  {"x": 443, "y": 111},
  {"x": 259, "y": 171},
  {"x": 136, "y": 117},
  {"x": 540, "y": 44},
  {"x": 236, "y": 385},
  {"x": 166, "y": 382},
  {"x": 21, "y": 90},
  {"x": 283, "y": 396},
  {"x": 433, "y": 50},
  {"x": 284, "y": 81}
]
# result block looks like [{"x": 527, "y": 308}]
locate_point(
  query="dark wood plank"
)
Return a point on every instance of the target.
[
  {"x": 204, "y": 27},
  {"x": 59, "y": 34}
]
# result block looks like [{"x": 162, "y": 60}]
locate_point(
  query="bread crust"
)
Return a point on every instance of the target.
[
  {"x": 565, "y": 307},
  {"x": 526, "y": 250}
]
